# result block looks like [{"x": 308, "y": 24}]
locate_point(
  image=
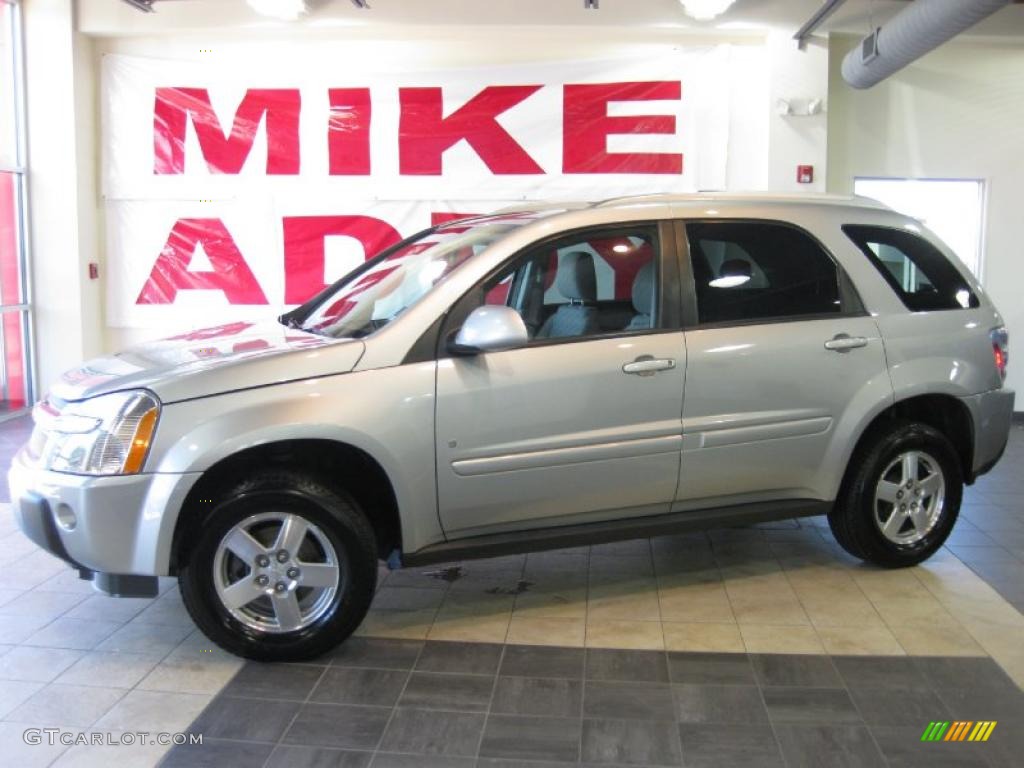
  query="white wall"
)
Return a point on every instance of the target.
[
  {"x": 63, "y": 71},
  {"x": 766, "y": 148},
  {"x": 62, "y": 188},
  {"x": 797, "y": 77},
  {"x": 956, "y": 113}
]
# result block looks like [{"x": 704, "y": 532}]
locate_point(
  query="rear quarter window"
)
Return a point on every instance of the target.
[{"x": 919, "y": 273}]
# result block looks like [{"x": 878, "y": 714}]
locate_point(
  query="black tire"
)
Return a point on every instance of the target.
[
  {"x": 852, "y": 520},
  {"x": 340, "y": 519}
]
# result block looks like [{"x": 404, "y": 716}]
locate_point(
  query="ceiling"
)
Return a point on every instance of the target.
[{"x": 114, "y": 17}]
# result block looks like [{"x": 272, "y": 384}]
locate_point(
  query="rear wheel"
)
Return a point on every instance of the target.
[
  {"x": 902, "y": 499},
  {"x": 283, "y": 569}
]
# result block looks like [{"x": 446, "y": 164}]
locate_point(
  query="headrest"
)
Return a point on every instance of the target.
[
  {"x": 643, "y": 290},
  {"x": 576, "y": 278},
  {"x": 735, "y": 268}
]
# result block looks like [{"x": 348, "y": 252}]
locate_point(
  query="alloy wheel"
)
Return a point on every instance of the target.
[
  {"x": 909, "y": 498},
  {"x": 277, "y": 572}
]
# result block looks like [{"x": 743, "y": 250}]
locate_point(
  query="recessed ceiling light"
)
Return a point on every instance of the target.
[
  {"x": 704, "y": 10},
  {"x": 286, "y": 10}
]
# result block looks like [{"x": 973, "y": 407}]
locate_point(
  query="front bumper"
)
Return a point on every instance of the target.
[
  {"x": 992, "y": 413},
  {"x": 122, "y": 526}
]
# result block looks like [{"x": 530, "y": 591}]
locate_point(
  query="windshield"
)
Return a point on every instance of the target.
[{"x": 375, "y": 294}]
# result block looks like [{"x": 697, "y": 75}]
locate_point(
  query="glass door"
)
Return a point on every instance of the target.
[{"x": 16, "y": 379}]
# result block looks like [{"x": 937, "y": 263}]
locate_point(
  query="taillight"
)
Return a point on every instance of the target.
[{"x": 1000, "y": 349}]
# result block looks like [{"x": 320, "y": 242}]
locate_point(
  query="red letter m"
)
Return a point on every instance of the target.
[{"x": 174, "y": 106}]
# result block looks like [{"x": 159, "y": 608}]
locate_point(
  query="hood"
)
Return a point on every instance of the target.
[{"x": 211, "y": 361}]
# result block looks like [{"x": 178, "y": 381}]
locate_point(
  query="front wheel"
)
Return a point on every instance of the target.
[
  {"x": 902, "y": 497},
  {"x": 283, "y": 568}
]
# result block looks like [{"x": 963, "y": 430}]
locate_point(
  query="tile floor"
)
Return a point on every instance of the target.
[
  {"x": 418, "y": 703},
  {"x": 87, "y": 663}
]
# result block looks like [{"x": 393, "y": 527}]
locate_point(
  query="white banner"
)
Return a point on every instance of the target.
[{"x": 233, "y": 192}]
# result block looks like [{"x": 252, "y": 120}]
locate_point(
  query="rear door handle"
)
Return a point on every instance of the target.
[
  {"x": 843, "y": 342},
  {"x": 646, "y": 365}
]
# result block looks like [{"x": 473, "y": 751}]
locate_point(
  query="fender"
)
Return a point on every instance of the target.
[{"x": 387, "y": 413}]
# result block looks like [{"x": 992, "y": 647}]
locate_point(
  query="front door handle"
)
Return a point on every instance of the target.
[
  {"x": 843, "y": 342},
  {"x": 646, "y": 365}
]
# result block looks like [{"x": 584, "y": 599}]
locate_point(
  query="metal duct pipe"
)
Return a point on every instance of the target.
[{"x": 911, "y": 34}]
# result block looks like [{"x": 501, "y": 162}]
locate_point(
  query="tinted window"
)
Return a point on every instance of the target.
[
  {"x": 583, "y": 285},
  {"x": 760, "y": 271},
  {"x": 922, "y": 277}
]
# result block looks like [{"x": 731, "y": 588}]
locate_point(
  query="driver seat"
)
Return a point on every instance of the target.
[{"x": 576, "y": 280}]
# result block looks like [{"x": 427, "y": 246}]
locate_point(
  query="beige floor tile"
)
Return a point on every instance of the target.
[
  {"x": 695, "y": 602},
  {"x": 919, "y": 609},
  {"x": 476, "y": 603},
  {"x": 1004, "y": 644},
  {"x": 407, "y": 598},
  {"x": 167, "y": 609},
  {"x": 760, "y": 638},
  {"x": 629, "y": 600},
  {"x": 66, "y": 705},
  {"x": 625, "y": 634},
  {"x": 135, "y": 755},
  {"x": 154, "y": 711},
  {"x": 470, "y": 627},
  {"x": 995, "y": 611},
  {"x": 193, "y": 672},
  {"x": 753, "y": 572},
  {"x": 636, "y": 548},
  {"x": 604, "y": 570},
  {"x": 705, "y": 636},
  {"x": 532, "y": 630},
  {"x": 860, "y": 641},
  {"x": 106, "y": 608},
  {"x": 13, "y": 693},
  {"x": 544, "y": 579},
  {"x": 116, "y": 670},
  {"x": 552, "y": 604},
  {"x": 838, "y": 606},
  {"x": 138, "y": 637},
  {"x": 25, "y": 662},
  {"x": 404, "y": 625},
  {"x": 937, "y": 640},
  {"x": 17, "y": 753},
  {"x": 758, "y": 607},
  {"x": 888, "y": 584}
]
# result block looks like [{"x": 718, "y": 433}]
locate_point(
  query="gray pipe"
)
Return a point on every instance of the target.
[{"x": 912, "y": 33}]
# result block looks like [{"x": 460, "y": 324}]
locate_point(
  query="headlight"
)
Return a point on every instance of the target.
[{"x": 106, "y": 435}]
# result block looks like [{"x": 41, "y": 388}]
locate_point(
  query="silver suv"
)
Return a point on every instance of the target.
[{"x": 539, "y": 378}]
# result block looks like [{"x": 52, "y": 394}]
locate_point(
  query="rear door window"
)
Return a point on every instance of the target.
[
  {"x": 917, "y": 271},
  {"x": 748, "y": 272}
]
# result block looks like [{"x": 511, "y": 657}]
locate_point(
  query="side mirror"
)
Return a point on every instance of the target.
[{"x": 489, "y": 329}]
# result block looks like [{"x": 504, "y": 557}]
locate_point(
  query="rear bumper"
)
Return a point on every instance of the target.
[{"x": 992, "y": 414}]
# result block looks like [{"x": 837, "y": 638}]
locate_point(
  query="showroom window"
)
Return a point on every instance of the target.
[
  {"x": 15, "y": 336},
  {"x": 748, "y": 272},
  {"x": 952, "y": 208}
]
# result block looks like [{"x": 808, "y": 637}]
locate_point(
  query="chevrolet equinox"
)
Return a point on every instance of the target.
[{"x": 544, "y": 377}]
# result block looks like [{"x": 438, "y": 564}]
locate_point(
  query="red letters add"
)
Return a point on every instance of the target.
[
  {"x": 588, "y": 126},
  {"x": 425, "y": 134},
  {"x": 348, "y": 131},
  {"x": 171, "y": 273},
  {"x": 174, "y": 107},
  {"x": 304, "y": 248}
]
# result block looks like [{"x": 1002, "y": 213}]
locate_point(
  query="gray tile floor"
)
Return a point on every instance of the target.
[{"x": 382, "y": 702}]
